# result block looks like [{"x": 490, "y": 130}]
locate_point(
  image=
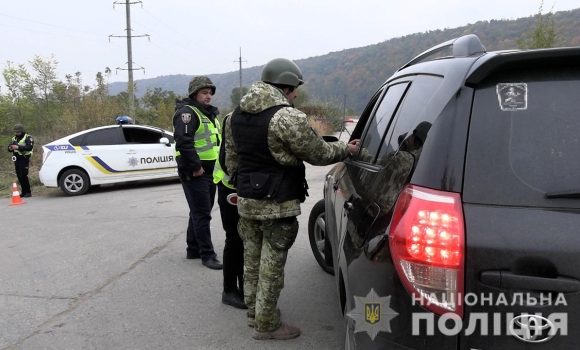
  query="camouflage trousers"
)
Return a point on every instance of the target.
[{"x": 266, "y": 244}]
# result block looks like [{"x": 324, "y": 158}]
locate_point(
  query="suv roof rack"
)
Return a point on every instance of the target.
[{"x": 464, "y": 46}]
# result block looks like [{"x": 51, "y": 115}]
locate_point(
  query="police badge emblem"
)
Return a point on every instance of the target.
[
  {"x": 186, "y": 118},
  {"x": 372, "y": 313}
]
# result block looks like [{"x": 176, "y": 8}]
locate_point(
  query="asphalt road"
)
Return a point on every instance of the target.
[{"x": 107, "y": 270}]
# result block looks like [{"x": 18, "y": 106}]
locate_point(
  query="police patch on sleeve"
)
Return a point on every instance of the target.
[
  {"x": 512, "y": 96},
  {"x": 185, "y": 117}
]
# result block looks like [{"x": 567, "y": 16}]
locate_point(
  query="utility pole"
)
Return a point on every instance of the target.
[
  {"x": 240, "y": 60},
  {"x": 130, "y": 69},
  {"x": 344, "y": 117}
]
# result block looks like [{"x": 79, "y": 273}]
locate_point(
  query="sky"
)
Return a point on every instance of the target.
[{"x": 205, "y": 37}]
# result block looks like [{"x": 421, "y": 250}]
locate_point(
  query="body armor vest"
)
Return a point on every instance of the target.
[{"x": 259, "y": 175}]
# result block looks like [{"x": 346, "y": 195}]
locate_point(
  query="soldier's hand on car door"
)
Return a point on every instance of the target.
[{"x": 353, "y": 146}]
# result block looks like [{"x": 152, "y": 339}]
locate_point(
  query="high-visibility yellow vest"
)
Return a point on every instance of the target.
[
  {"x": 220, "y": 175},
  {"x": 206, "y": 137},
  {"x": 22, "y": 142}
]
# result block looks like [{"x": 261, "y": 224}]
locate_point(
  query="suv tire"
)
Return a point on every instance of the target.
[{"x": 317, "y": 235}]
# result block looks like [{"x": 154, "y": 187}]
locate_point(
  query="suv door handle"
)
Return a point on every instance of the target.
[{"x": 508, "y": 280}]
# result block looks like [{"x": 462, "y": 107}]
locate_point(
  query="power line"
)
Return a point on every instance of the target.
[
  {"x": 130, "y": 68},
  {"x": 170, "y": 53},
  {"x": 50, "y": 25},
  {"x": 97, "y": 4},
  {"x": 150, "y": 14},
  {"x": 40, "y": 31},
  {"x": 168, "y": 38}
]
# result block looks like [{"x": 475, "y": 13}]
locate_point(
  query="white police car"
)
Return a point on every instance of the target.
[{"x": 108, "y": 154}]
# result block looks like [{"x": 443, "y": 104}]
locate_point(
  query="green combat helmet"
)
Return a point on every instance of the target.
[
  {"x": 282, "y": 71},
  {"x": 18, "y": 128},
  {"x": 421, "y": 131},
  {"x": 198, "y": 83}
]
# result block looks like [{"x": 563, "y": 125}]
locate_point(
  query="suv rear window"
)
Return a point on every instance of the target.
[{"x": 524, "y": 138}]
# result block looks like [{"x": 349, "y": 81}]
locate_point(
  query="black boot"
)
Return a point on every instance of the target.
[
  {"x": 233, "y": 298},
  {"x": 213, "y": 264}
]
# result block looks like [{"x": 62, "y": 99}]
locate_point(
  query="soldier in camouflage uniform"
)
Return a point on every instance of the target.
[{"x": 267, "y": 141}]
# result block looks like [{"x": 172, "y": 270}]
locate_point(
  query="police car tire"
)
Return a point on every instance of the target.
[
  {"x": 74, "y": 173},
  {"x": 316, "y": 213}
]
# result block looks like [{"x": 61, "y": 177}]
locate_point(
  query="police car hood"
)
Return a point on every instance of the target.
[{"x": 262, "y": 96}]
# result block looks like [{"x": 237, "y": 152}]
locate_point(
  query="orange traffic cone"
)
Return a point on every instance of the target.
[{"x": 16, "y": 195}]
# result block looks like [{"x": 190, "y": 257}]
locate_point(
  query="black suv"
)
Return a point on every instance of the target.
[{"x": 457, "y": 224}]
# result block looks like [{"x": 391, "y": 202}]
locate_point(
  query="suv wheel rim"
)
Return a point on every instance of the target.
[
  {"x": 74, "y": 183},
  {"x": 320, "y": 233}
]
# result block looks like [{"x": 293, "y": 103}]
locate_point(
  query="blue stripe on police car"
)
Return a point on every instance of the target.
[{"x": 60, "y": 147}]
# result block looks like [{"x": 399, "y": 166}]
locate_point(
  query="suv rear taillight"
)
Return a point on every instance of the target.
[{"x": 427, "y": 242}]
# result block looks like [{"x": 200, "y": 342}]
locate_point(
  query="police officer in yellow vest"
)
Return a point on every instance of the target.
[
  {"x": 22, "y": 146},
  {"x": 197, "y": 141},
  {"x": 233, "y": 293}
]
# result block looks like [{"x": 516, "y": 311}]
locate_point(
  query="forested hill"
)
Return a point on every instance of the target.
[{"x": 358, "y": 72}]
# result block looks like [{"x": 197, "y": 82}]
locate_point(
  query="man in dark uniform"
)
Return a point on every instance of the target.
[
  {"x": 197, "y": 141},
  {"x": 233, "y": 293},
  {"x": 21, "y": 147}
]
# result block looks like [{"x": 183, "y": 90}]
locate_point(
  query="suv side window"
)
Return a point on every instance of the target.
[
  {"x": 102, "y": 137},
  {"x": 365, "y": 116},
  {"x": 378, "y": 124},
  {"x": 395, "y": 164},
  {"x": 411, "y": 114}
]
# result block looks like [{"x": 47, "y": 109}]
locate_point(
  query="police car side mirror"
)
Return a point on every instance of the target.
[{"x": 165, "y": 140}]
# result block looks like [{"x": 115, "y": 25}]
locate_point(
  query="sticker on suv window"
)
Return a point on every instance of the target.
[{"x": 512, "y": 96}]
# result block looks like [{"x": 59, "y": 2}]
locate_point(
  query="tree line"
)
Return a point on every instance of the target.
[{"x": 356, "y": 73}]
